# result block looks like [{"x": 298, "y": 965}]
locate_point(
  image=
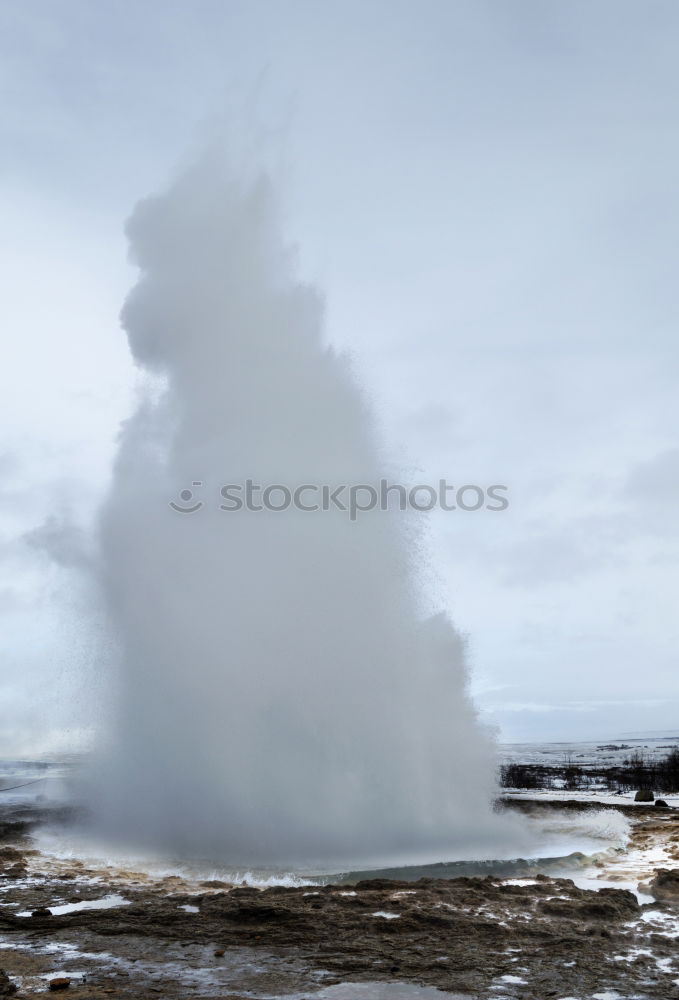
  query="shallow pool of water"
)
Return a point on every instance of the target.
[{"x": 380, "y": 991}]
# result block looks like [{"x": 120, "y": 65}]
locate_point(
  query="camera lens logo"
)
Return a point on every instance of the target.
[{"x": 188, "y": 506}]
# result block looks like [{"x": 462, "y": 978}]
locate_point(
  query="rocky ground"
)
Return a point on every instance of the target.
[{"x": 533, "y": 938}]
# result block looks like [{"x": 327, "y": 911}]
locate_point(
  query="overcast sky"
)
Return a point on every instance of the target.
[{"x": 486, "y": 192}]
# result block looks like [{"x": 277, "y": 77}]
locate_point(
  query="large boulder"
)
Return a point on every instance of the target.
[{"x": 644, "y": 795}]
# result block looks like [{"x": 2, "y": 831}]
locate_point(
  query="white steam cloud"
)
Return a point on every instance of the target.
[{"x": 280, "y": 698}]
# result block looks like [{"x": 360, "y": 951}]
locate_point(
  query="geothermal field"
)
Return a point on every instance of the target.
[
  {"x": 589, "y": 910},
  {"x": 338, "y": 501}
]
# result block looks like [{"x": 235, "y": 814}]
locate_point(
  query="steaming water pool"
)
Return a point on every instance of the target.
[
  {"x": 561, "y": 844},
  {"x": 556, "y": 843}
]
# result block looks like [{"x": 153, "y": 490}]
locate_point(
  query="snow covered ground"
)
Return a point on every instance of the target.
[
  {"x": 593, "y": 795},
  {"x": 584, "y": 753}
]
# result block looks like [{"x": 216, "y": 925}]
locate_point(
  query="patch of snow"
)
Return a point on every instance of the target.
[
  {"x": 663, "y": 924},
  {"x": 106, "y": 903}
]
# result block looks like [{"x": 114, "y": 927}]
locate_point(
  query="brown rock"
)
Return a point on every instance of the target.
[
  {"x": 7, "y": 987},
  {"x": 10, "y": 854},
  {"x": 62, "y": 983},
  {"x": 665, "y": 885}
]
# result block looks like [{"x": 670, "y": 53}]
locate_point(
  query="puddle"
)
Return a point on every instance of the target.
[
  {"x": 380, "y": 991},
  {"x": 241, "y": 971},
  {"x": 385, "y": 915},
  {"x": 86, "y": 904}
]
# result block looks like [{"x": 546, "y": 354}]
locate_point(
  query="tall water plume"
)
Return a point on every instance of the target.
[{"x": 280, "y": 697}]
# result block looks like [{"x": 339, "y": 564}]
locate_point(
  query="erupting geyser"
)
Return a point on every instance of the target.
[{"x": 280, "y": 699}]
